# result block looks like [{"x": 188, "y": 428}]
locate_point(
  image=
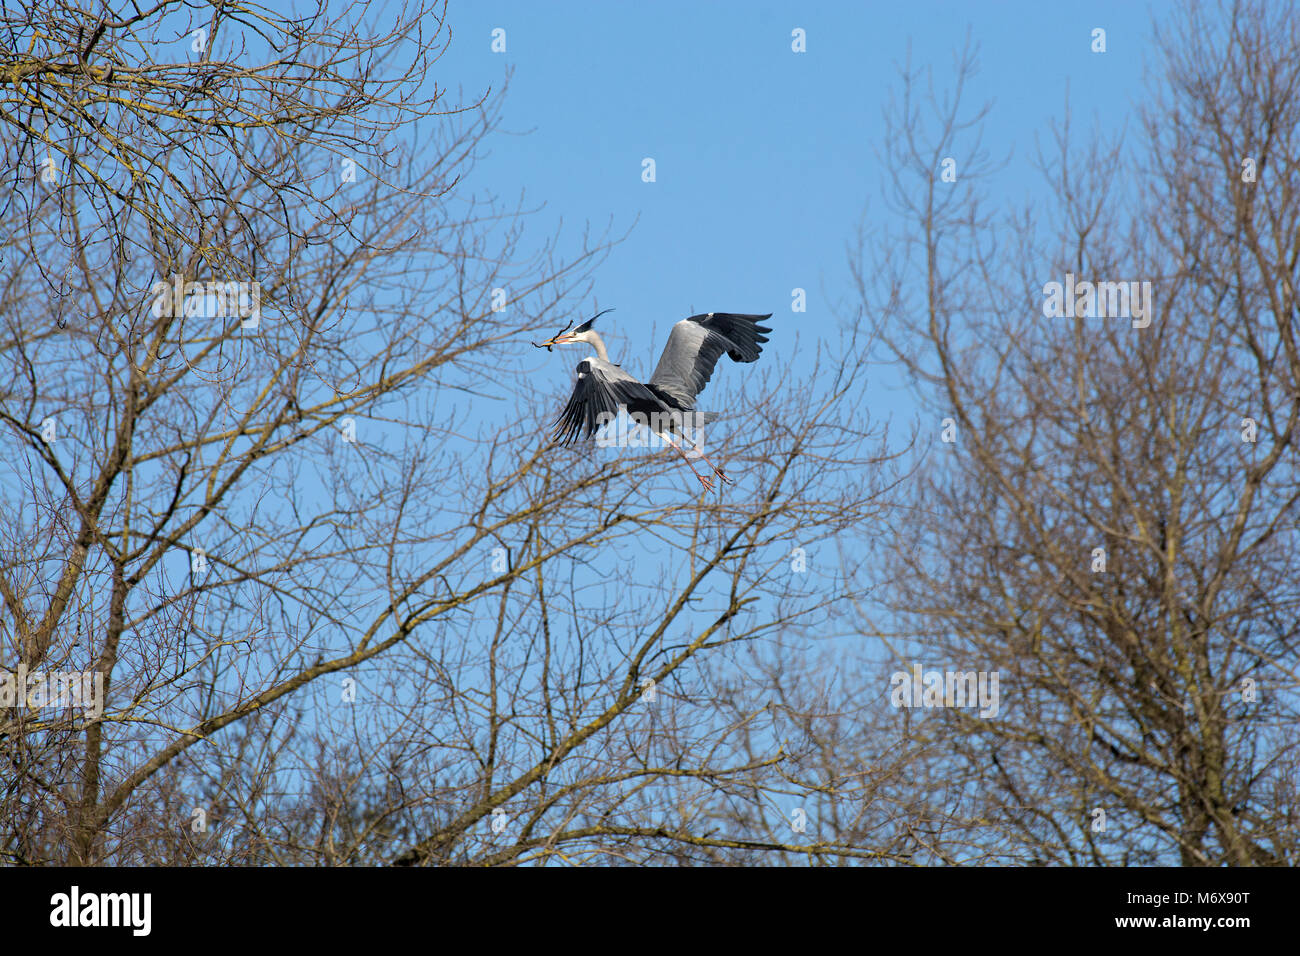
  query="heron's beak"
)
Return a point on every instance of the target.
[{"x": 559, "y": 338}]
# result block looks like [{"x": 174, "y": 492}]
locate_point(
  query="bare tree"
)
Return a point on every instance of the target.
[
  {"x": 339, "y": 614},
  {"x": 1111, "y": 522}
]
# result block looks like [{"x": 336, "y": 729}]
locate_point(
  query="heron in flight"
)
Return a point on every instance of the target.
[{"x": 693, "y": 349}]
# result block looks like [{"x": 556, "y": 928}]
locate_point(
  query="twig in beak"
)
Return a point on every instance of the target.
[{"x": 548, "y": 345}]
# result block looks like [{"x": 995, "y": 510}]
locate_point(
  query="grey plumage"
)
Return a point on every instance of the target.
[
  {"x": 601, "y": 388},
  {"x": 694, "y": 347},
  {"x": 685, "y": 367}
]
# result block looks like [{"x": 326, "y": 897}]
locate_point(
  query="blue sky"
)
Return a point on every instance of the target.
[{"x": 766, "y": 159}]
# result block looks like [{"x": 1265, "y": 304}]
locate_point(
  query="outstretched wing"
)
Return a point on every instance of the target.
[
  {"x": 694, "y": 347},
  {"x": 601, "y": 388}
]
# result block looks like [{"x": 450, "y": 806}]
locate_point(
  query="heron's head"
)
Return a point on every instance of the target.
[{"x": 565, "y": 336}]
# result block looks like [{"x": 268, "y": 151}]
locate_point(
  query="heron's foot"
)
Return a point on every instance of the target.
[
  {"x": 708, "y": 485},
  {"x": 721, "y": 477}
]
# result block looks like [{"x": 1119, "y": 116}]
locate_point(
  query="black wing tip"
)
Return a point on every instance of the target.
[
  {"x": 592, "y": 396},
  {"x": 751, "y": 337},
  {"x": 563, "y": 432},
  {"x": 750, "y": 317}
]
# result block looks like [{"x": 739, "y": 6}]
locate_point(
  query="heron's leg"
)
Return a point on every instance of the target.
[
  {"x": 708, "y": 485},
  {"x": 716, "y": 470}
]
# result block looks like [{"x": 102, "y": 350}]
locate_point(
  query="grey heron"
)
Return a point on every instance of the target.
[{"x": 694, "y": 347}]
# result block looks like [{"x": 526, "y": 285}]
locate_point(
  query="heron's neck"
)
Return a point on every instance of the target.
[{"x": 596, "y": 340}]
